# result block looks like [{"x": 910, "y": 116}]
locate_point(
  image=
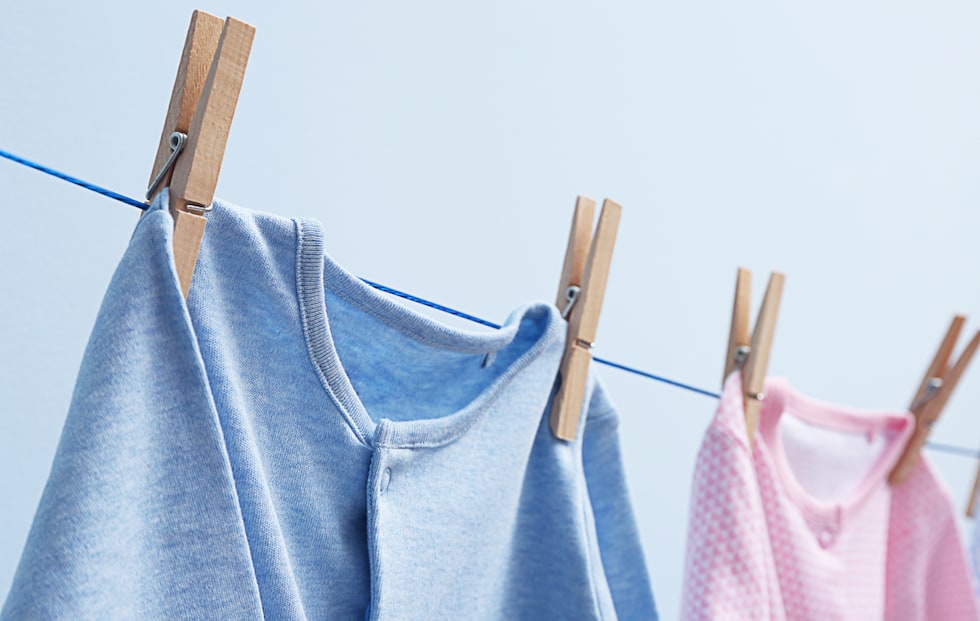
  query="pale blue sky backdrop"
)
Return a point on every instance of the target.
[{"x": 443, "y": 144}]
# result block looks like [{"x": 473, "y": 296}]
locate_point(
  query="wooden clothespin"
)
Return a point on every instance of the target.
[
  {"x": 750, "y": 353},
  {"x": 580, "y": 294},
  {"x": 929, "y": 400},
  {"x": 209, "y": 79}
]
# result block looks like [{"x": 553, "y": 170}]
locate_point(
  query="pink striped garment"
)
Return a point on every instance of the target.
[{"x": 806, "y": 528}]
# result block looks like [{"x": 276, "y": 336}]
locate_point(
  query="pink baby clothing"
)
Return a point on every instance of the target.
[{"x": 805, "y": 527}]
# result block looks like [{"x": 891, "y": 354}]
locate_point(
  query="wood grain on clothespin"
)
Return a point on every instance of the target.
[
  {"x": 202, "y": 105},
  {"x": 932, "y": 395},
  {"x": 576, "y": 253},
  {"x": 203, "y": 35},
  {"x": 756, "y": 365},
  {"x": 751, "y": 353},
  {"x": 590, "y": 277},
  {"x": 739, "y": 337}
]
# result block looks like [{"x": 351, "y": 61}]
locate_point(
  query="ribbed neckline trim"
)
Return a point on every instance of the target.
[
  {"x": 780, "y": 397},
  {"x": 315, "y": 271}
]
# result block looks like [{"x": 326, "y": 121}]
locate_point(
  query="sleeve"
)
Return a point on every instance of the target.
[
  {"x": 727, "y": 571},
  {"x": 974, "y": 554},
  {"x": 618, "y": 538},
  {"x": 949, "y": 584},
  {"x": 139, "y": 517},
  {"x": 928, "y": 575}
]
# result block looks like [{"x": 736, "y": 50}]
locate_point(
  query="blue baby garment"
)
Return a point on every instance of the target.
[{"x": 292, "y": 444}]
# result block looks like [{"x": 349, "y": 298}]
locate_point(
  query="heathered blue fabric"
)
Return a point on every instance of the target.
[{"x": 291, "y": 444}]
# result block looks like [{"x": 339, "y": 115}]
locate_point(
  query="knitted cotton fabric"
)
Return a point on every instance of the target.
[
  {"x": 762, "y": 547},
  {"x": 291, "y": 444}
]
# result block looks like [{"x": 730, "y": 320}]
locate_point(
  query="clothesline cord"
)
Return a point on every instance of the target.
[
  {"x": 936, "y": 446},
  {"x": 490, "y": 324},
  {"x": 65, "y": 177}
]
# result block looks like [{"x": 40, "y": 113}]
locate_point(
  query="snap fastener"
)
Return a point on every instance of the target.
[
  {"x": 385, "y": 480},
  {"x": 826, "y": 538}
]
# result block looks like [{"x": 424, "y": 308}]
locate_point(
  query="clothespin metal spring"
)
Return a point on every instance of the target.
[
  {"x": 571, "y": 296},
  {"x": 177, "y": 142}
]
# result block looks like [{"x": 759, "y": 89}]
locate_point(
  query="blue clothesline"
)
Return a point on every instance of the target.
[
  {"x": 490, "y": 324},
  {"x": 65, "y": 177},
  {"x": 936, "y": 446}
]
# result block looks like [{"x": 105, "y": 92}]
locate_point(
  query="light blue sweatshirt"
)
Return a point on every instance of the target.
[{"x": 291, "y": 444}]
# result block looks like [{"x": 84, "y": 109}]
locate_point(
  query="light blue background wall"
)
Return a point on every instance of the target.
[{"x": 443, "y": 144}]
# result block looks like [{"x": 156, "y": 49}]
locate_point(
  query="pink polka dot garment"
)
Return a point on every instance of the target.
[{"x": 762, "y": 547}]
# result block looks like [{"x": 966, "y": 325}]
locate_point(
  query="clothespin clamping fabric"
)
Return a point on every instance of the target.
[
  {"x": 934, "y": 391},
  {"x": 750, "y": 353},
  {"x": 580, "y": 294},
  {"x": 209, "y": 80}
]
